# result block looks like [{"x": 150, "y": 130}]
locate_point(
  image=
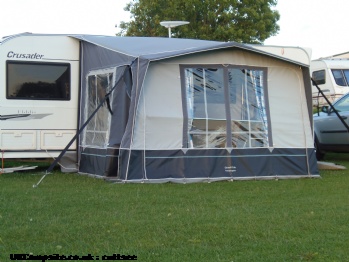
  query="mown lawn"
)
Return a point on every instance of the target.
[{"x": 277, "y": 220}]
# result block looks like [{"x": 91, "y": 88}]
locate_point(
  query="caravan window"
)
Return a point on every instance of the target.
[
  {"x": 226, "y": 107},
  {"x": 319, "y": 77},
  {"x": 341, "y": 76},
  {"x": 38, "y": 81}
]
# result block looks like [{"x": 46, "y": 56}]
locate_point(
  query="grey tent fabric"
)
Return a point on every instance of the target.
[
  {"x": 156, "y": 48},
  {"x": 119, "y": 142}
]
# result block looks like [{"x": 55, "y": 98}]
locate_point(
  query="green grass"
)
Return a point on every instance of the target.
[{"x": 284, "y": 220}]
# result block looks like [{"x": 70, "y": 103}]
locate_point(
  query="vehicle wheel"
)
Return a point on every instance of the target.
[{"x": 319, "y": 155}]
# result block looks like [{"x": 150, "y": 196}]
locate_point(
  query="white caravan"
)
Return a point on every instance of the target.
[
  {"x": 299, "y": 54},
  {"x": 39, "y": 95},
  {"x": 332, "y": 77},
  {"x": 178, "y": 110}
]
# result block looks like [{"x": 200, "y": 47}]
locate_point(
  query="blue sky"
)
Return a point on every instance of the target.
[{"x": 316, "y": 24}]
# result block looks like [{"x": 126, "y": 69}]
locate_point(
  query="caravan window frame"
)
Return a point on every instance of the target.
[
  {"x": 224, "y": 131},
  {"x": 319, "y": 77},
  {"x": 58, "y": 93},
  {"x": 343, "y": 79}
]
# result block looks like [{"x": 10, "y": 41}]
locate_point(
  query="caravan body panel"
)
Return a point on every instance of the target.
[
  {"x": 332, "y": 75},
  {"x": 36, "y": 124},
  {"x": 298, "y": 54}
]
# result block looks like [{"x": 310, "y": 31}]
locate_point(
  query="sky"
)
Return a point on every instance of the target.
[{"x": 316, "y": 24}]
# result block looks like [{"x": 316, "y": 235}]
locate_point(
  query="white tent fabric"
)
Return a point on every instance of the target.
[{"x": 287, "y": 101}]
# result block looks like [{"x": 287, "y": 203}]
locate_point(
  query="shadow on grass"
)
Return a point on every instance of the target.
[{"x": 338, "y": 158}]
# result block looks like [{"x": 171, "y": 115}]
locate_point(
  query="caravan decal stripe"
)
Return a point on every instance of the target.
[
  {"x": 23, "y": 116},
  {"x": 7, "y": 117}
]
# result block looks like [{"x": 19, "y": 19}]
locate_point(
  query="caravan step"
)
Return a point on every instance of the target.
[{"x": 17, "y": 169}]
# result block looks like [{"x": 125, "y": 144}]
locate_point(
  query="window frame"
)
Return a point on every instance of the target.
[
  {"x": 344, "y": 76},
  {"x": 318, "y": 81},
  {"x": 227, "y": 102},
  {"x": 68, "y": 65},
  {"x": 95, "y": 129}
]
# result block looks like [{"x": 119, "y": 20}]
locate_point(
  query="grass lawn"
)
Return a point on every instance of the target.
[{"x": 284, "y": 220}]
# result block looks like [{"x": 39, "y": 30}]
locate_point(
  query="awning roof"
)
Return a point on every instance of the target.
[{"x": 156, "y": 48}]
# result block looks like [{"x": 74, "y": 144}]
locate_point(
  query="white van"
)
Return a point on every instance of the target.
[
  {"x": 332, "y": 77},
  {"x": 39, "y": 89}
]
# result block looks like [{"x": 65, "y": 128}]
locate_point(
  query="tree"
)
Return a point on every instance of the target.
[{"x": 246, "y": 21}]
